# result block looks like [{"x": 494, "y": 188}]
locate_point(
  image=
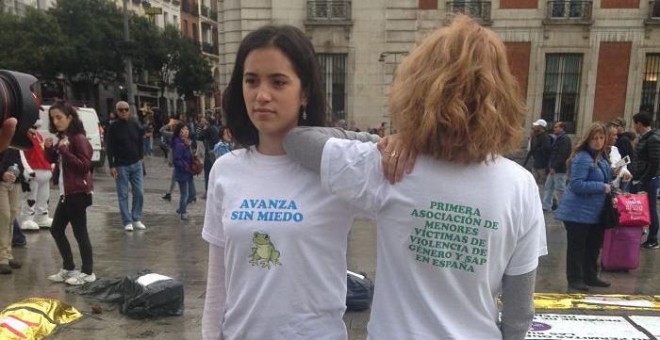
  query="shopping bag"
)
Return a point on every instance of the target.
[{"x": 633, "y": 210}]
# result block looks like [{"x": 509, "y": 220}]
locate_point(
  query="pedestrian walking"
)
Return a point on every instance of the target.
[
  {"x": 466, "y": 219},
  {"x": 73, "y": 155},
  {"x": 539, "y": 149},
  {"x": 262, "y": 204},
  {"x": 125, "y": 153},
  {"x": 555, "y": 182},
  {"x": 646, "y": 170},
  {"x": 209, "y": 135},
  {"x": 182, "y": 159}
]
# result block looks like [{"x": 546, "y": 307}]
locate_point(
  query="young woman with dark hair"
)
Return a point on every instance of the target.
[
  {"x": 277, "y": 240},
  {"x": 73, "y": 155}
]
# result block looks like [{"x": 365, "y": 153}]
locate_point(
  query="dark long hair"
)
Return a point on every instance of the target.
[
  {"x": 76, "y": 125},
  {"x": 299, "y": 50}
]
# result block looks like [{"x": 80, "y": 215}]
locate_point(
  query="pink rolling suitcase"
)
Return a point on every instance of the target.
[{"x": 621, "y": 249}]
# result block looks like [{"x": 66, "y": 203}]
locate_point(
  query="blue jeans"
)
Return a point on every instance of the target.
[
  {"x": 651, "y": 188},
  {"x": 187, "y": 189},
  {"x": 554, "y": 182},
  {"x": 133, "y": 174}
]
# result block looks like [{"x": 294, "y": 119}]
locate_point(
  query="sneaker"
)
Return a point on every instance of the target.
[
  {"x": 43, "y": 220},
  {"x": 15, "y": 264},
  {"x": 128, "y": 227},
  {"x": 650, "y": 245},
  {"x": 63, "y": 275},
  {"x": 81, "y": 279},
  {"x": 21, "y": 243},
  {"x": 139, "y": 225},
  {"x": 184, "y": 217},
  {"x": 29, "y": 225},
  {"x": 167, "y": 197}
]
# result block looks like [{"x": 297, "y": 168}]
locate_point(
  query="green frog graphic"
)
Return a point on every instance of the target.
[{"x": 264, "y": 253}]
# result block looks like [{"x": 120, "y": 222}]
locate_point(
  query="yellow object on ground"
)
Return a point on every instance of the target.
[
  {"x": 35, "y": 318},
  {"x": 596, "y": 302}
]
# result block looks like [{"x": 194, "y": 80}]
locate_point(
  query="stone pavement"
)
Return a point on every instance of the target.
[{"x": 176, "y": 249}]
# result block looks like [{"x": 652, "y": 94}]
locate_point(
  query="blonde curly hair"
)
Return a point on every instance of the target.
[{"x": 454, "y": 97}]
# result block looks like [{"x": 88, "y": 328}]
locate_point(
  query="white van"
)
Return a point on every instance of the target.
[{"x": 93, "y": 130}]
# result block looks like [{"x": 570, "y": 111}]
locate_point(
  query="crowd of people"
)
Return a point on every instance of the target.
[
  {"x": 576, "y": 179},
  {"x": 294, "y": 188}
]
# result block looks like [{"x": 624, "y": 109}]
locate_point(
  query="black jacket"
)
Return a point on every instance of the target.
[
  {"x": 624, "y": 144},
  {"x": 124, "y": 143},
  {"x": 560, "y": 151},
  {"x": 540, "y": 149},
  {"x": 646, "y": 163}
]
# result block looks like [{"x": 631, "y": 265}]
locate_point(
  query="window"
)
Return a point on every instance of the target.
[
  {"x": 175, "y": 21},
  {"x": 165, "y": 22},
  {"x": 568, "y": 9},
  {"x": 333, "y": 72},
  {"x": 328, "y": 10},
  {"x": 650, "y": 87},
  {"x": 561, "y": 91}
]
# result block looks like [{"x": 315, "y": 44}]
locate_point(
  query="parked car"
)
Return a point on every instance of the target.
[{"x": 93, "y": 130}]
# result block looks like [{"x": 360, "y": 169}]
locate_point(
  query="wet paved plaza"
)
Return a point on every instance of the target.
[{"x": 176, "y": 249}]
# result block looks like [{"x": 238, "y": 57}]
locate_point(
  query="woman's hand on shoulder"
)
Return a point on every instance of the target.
[{"x": 397, "y": 158}]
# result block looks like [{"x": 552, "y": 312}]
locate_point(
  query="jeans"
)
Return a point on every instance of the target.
[
  {"x": 651, "y": 188},
  {"x": 187, "y": 189},
  {"x": 134, "y": 174},
  {"x": 554, "y": 182},
  {"x": 148, "y": 149},
  {"x": 73, "y": 209}
]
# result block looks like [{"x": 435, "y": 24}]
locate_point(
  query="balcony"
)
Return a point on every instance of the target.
[
  {"x": 210, "y": 48},
  {"x": 569, "y": 12},
  {"x": 185, "y": 6},
  {"x": 654, "y": 13},
  {"x": 479, "y": 10},
  {"x": 329, "y": 11},
  {"x": 210, "y": 13}
]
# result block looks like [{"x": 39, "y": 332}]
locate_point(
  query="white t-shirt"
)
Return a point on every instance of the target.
[
  {"x": 285, "y": 241},
  {"x": 447, "y": 233}
]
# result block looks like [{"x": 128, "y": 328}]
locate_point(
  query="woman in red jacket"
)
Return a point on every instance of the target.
[{"x": 73, "y": 156}]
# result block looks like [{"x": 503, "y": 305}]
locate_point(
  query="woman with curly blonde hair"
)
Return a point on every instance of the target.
[{"x": 465, "y": 225}]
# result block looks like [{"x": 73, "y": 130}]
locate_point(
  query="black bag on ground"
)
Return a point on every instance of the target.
[
  {"x": 149, "y": 294},
  {"x": 360, "y": 291}
]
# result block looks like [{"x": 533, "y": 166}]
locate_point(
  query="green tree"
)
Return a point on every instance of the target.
[
  {"x": 95, "y": 30},
  {"x": 193, "y": 71},
  {"x": 36, "y": 45}
]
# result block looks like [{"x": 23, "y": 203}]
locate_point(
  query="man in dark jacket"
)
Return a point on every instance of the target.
[
  {"x": 539, "y": 148},
  {"x": 646, "y": 169},
  {"x": 623, "y": 141},
  {"x": 124, "y": 146},
  {"x": 559, "y": 153}
]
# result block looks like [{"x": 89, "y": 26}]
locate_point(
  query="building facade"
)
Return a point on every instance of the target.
[{"x": 576, "y": 61}]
